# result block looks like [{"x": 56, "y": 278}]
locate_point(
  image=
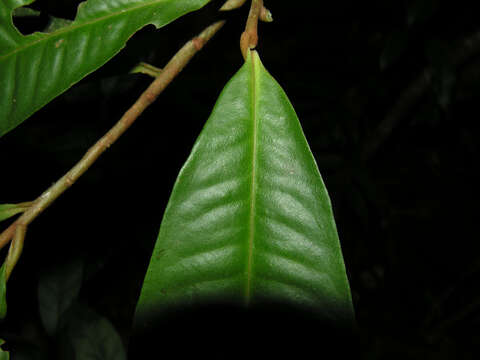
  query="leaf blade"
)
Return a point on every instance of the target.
[
  {"x": 249, "y": 219},
  {"x": 36, "y": 68}
]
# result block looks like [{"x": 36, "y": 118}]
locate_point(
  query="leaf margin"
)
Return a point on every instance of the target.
[{"x": 146, "y": 306}]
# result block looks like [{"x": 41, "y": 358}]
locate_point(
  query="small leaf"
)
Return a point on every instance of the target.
[
  {"x": 56, "y": 292},
  {"x": 89, "y": 336},
  {"x": 147, "y": 69},
  {"x": 249, "y": 220},
  {"x": 9, "y": 210},
  {"x": 3, "y": 291},
  {"x": 36, "y": 68}
]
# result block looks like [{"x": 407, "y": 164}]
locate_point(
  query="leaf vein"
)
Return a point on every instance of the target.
[
  {"x": 75, "y": 26},
  {"x": 251, "y": 234}
]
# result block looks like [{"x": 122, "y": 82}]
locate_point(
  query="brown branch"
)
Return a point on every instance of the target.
[
  {"x": 7, "y": 234},
  {"x": 412, "y": 94},
  {"x": 249, "y": 38},
  {"x": 175, "y": 65}
]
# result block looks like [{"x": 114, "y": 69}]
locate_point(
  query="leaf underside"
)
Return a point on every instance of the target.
[
  {"x": 36, "y": 68},
  {"x": 249, "y": 220}
]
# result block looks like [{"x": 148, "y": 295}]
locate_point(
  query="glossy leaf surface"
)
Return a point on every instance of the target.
[
  {"x": 36, "y": 68},
  {"x": 249, "y": 219}
]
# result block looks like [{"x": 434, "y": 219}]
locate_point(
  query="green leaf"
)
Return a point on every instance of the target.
[
  {"x": 36, "y": 68},
  {"x": 249, "y": 220},
  {"x": 3, "y": 291},
  {"x": 9, "y": 210},
  {"x": 57, "y": 291},
  {"x": 3, "y": 354}
]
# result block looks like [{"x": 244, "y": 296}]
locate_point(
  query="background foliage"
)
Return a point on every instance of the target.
[{"x": 405, "y": 207}]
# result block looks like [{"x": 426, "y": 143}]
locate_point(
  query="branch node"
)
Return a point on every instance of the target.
[
  {"x": 68, "y": 180},
  {"x": 249, "y": 38}
]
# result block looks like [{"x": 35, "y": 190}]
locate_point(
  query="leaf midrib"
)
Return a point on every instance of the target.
[
  {"x": 251, "y": 234},
  {"x": 73, "y": 26}
]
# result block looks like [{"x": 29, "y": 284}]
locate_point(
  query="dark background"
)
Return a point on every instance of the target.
[{"x": 387, "y": 94}]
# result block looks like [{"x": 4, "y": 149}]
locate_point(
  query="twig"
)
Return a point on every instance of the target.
[
  {"x": 175, "y": 65},
  {"x": 232, "y": 5},
  {"x": 249, "y": 38},
  {"x": 15, "y": 250}
]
